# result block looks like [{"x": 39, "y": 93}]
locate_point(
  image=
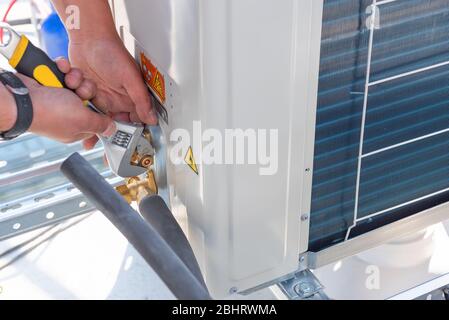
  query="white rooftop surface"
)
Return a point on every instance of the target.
[{"x": 90, "y": 260}]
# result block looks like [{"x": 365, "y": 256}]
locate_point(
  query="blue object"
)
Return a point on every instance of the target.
[{"x": 54, "y": 37}]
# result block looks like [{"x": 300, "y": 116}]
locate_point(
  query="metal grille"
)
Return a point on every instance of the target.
[{"x": 382, "y": 149}]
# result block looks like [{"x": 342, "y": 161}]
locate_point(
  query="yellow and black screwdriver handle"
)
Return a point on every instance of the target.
[{"x": 33, "y": 62}]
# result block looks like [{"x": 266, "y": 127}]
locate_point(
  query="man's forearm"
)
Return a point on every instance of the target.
[{"x": 95, "y": 16}]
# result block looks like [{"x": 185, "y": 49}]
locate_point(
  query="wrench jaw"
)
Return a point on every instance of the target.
[
  {"x": 8, "y": 48},
  {"x": 147, "y": 155},
  {"x": 121, "y": 149}
]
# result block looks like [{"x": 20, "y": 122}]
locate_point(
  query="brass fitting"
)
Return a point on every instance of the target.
[
  {"x": 135, "y": 188},
  {"x": 143, "y": 160}
]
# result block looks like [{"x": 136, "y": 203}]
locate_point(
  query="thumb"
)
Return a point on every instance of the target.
[{"x": 99, "y": 124}]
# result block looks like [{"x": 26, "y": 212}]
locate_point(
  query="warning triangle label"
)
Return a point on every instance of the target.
[
  {"x": 190, "y": 160},
  {"x": 159, "y": 85}
]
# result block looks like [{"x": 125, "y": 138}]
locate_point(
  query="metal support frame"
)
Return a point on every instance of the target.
[
  {"x": 52, "y": 205},
  {"x": 54, "y": 201},
  {"x": 27, "y": 217},
  {"x": 303, "y": 286}
]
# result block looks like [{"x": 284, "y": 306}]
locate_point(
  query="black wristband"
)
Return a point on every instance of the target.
[{"x": 23, "y": 102}]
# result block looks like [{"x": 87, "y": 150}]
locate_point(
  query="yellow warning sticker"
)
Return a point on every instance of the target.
[
  {"x": 159, "y": 85},
  {"x": 153, "y": 77},
  {"x": 190, "y": 160}
]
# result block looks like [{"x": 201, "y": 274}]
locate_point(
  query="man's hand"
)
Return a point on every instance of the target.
[
  {"x": 96, "y": 48},
  {"x": 59, "y": 113},
  {"x": 120, "y": 88}
]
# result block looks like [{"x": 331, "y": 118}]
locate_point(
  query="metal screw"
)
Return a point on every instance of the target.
[
  {"x": 302, "y": 259},
  {"x": 308, "y": 170},
  {"x": 233, "y": 290},
  {"x": 304, "y": 217},
  {"x": 304, "y": 289}
]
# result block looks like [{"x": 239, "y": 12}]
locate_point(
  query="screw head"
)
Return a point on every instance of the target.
[
  {"x": 233, "y": 290},
  {"x": 304, "y": 289},
  {"x": 304, "y": 217}
]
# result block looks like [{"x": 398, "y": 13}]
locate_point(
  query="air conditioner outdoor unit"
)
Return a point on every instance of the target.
[
  {"x": 336, "y": 113},
  {"x": 356, "y": 91}
]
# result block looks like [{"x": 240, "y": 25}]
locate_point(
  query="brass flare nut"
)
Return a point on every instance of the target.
[{"x": 135, "y": 188}]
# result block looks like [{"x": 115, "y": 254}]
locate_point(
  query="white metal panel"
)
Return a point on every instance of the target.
[{"x": 246, "y": 64}]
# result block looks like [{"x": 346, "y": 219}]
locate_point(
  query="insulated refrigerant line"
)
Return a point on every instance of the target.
[{"x": 142, "y": 236}]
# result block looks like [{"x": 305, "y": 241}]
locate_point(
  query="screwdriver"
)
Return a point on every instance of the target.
[{"x": 33, "y": 62}]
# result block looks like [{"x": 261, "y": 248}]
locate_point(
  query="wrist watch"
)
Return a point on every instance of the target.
[{"x": 23, "y": 103}]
